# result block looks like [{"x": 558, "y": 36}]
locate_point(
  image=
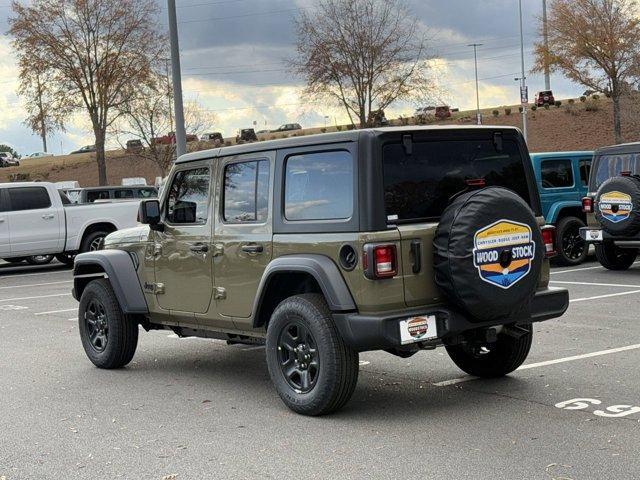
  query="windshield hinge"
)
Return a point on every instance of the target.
[{"x": 407, "y": 142}]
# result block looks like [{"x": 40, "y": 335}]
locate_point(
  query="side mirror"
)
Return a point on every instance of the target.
[{"x": 149, "y": 214}]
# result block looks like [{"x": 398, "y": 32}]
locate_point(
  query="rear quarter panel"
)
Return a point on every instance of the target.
[{"x": 80, "y": 217}]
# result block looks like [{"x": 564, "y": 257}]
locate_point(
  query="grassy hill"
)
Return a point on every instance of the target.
[{"x": 578, "y": 126}]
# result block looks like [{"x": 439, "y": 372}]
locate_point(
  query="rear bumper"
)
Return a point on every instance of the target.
[
  {"x": 379, "y": 332},
  {"x": 597, "y": 235}
]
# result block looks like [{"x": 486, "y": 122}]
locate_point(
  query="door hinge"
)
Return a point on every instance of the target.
[
  {"x": 218, "y": 249},
  {"x": 157, "y": 249},
  {"x": 219, "y": 293},
  {"x": 154, "y": 288}
]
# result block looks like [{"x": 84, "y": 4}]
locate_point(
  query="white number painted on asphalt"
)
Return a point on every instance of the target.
[
  {"x": 615, "y": 411},
  {"x": 12, "y": 307}
]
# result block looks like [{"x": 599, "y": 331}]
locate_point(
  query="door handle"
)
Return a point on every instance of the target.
[
  {"x": 1, "y": 220},
  {"x": 199, "y": 248},
  {"x": 48, "y": 216},
  {"x": 416, "y": 253},
  {"x": 253, "y": 248}
]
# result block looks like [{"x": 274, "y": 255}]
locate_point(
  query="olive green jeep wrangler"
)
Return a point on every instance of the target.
[{"x": 321, "y": 247}]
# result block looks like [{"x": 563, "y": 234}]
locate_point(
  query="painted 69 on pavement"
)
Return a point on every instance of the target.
[{"x": 503, "y": 252}]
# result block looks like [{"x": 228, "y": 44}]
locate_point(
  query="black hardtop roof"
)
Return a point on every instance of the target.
[
  {"x": 619, "y": 149},
  {"x": 324, "y": 139}
]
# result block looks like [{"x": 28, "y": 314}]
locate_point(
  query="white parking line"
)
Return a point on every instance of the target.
[
  {"x": 34, "y": 298},
  {"x": 455, "y": 381},
  {"x": 603, "y": 296},
  {"x": 43, "y": 284},
  {"x": 582, "y": 269},
  {"x": 621, "y": 285},
  {"x": 8, "y": 277},
  {"x": 57, "y": 311}
]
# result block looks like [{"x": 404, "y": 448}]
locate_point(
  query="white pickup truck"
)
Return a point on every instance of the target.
[{"x": 37, "y": 219}]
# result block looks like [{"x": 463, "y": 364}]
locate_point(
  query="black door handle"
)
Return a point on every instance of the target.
[
  {"x": 416, "y": 253},
  {"x": 253, "y": 248},
  {"x": 199, "y": 248}
]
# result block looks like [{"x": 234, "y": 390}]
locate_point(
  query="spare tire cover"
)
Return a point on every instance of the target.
[
  {"x": 617, "y": 207},
  {"x": 488, "y": 254}
]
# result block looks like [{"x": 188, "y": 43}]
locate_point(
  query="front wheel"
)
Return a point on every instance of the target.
[
  {"x": 494, "y": 359},
  {"x": 15, "y": 260},
  {"x": 109, "y": 337},
  {"x": 615, "y": 258},
  {"x": 313, "y": 370},
  {"x": 39, "y": 259},
  {"x": 572, "y": 249}
]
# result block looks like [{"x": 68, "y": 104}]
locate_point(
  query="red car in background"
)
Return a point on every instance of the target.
[{"x": 545, "y": 98}]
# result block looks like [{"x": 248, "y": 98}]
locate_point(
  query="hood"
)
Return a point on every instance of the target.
[{"x": 136, "y": 234}]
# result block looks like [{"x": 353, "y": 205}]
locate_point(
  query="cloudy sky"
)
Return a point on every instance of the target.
[{"x": 233, "y": 54}]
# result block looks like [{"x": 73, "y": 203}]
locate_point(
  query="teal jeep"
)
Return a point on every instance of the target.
[{"x": 562, "y": 179}]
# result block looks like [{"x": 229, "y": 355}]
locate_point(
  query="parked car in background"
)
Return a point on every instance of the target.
[
  {"x": 8, "y": 160},
  {"x": 212, "y": 137},
  {"x": 101, "y": 194},
  {"x": 134, "y": 146},
  {"x": 36, "y": 219},
  {"x": 288, "y": 127},
  {"x": 545, "y": 98},
  {"x": 263, "y": 131},
  {"x": 246, "y": 135},
  {"x": 562, "y": 179},
  {"x": 170, "y": 139},
  {"x": 40, "y": 155},
  {"x": 85, "y": 149},
  {"x": 443, "y": 112}
]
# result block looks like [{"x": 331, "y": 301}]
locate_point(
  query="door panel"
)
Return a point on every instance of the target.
[
  {"x": 183, "y": 266},
  {"x": 34, "y": 224},
  {"x": 243, "y": 232},
  {"x": 5, "y": 245},
  {"x": 417, "y": 264}
]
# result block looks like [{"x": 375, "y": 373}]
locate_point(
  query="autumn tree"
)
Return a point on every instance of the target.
[
  {"x": 364, "y": 54},
  {"x": 595, "y": 43},
  {"x": 148, "y": 115},
  {"x": 95, "y": 52}
]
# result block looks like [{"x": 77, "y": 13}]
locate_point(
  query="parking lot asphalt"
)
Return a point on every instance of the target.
[{"x": 199, "y": 409}]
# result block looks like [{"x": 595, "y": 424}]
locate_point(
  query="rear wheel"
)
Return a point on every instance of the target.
[
  {"x": 93, "y": 241},
  {"x": 313, "y": 370},
  {"x": 39, "y": 259},
  {"x": 615, "y": 258},
  {"x": 572, "y": 249},
  {"x": 15, "y": 260},
  {"x": 496, "y": 359},
  {"x": 109, "y": 337}
]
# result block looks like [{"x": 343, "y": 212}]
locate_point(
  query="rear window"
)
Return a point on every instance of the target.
[
  {"x": 611, "y": 165},
  {"x": 93, "y": 195},
  {"x": 556, "y": 173},
  {"x": 419, "y": 186}
]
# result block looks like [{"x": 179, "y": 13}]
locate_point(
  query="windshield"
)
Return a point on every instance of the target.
[
  {"x": 611, "y": 165},
  {"x": 419, "y": 186}
]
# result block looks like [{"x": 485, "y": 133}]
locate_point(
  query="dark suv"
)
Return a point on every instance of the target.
[{"x": 324, "y": 246}]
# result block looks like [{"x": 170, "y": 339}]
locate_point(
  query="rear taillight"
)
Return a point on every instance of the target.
[
  {"x": 549, "y": 240},
  {"x": 380, "y": 261},
  {"x": 587, "y": 204}
]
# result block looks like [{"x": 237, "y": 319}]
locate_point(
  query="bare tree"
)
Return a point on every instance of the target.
[
  {"x": 45, "y": 112},
  {"x": 365, "y": 54},
  {"x": 595, "y": 43},
  {"x": 97, "y": 53},
  {"x": 147, "y": 116}
]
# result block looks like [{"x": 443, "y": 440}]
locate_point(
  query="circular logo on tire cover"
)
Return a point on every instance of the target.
[
  {"x": 615, "y": 206},
  {"x": 503, "y": 252}
]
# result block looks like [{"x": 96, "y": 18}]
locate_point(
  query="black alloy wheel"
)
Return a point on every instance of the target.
[
  {"x": 298, "y": 357},
  {"x": 97, "y": 328}
]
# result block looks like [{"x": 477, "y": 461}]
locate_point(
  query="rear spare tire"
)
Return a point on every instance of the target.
[
  {"x": 488, "y": 255},
  {"x": 617, "y": 206}
]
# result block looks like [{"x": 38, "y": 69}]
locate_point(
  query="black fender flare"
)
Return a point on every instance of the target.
[
  {"x": 119, "y": 268},
  {"x": 320, "y": 267}
]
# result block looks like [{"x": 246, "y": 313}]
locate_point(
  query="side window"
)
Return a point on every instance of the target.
[
  {"x": 123, "y": 194},
  {"x": 28, "y": 198},
  {"x": 246, "y": 192},
  {"x": 93, "y": 195},
  {"x": 3, "y": 202},
  {"x": 556, "y": 174},
  {"x": 188, "y": 198},
  {"x": 585, "y": 169},
  {"x": 319, "y": 186},
  {"x": 147, "y": 193}
]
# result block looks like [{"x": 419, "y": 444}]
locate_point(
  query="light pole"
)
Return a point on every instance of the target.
[
  {"x": 524, "y": 94},
  {"x": 181, "y": 135},
  {"x": 475, "y": 60},
  {"x": 545, "y": 34}
]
